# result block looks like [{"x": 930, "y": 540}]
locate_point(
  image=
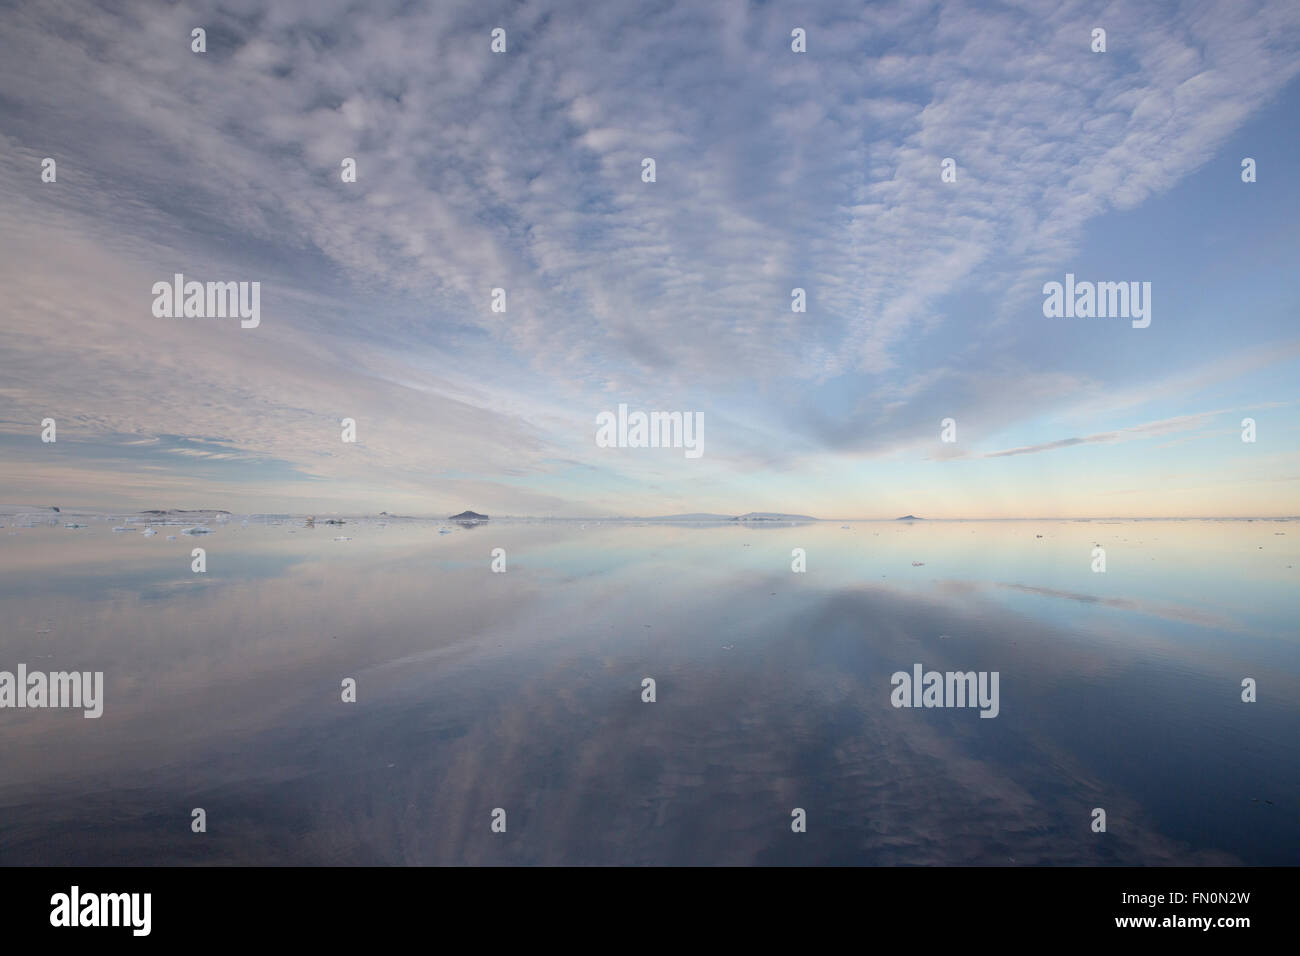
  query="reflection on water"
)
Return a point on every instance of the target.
[{"x": 478, "y": 690}]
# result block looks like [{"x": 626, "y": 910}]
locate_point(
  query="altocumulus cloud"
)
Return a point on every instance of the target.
[{"x": 523, "y": 171}]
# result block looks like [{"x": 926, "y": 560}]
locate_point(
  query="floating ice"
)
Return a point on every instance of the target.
[{"x": 148, "y": 532}]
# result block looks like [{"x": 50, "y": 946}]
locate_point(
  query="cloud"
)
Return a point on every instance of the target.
[
  {"x": 1132, "y": 433},
  {"x": 523, "y": 171}
]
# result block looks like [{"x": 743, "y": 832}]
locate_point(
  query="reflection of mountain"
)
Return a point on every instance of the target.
[
  {"x": 909, "y": 518},
  {"x": 771, "y": 516}
]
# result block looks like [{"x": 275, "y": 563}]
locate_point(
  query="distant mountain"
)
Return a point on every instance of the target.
[
  {"x": 909, "y": 518},
  {"x": 771, "y": 516},
  {"x": 468, "y": 516}
]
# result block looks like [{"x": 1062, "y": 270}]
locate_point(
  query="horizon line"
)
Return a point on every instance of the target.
[{"x": 684, "y": 516}]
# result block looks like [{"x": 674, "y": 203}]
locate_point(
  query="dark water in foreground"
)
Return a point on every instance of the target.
[{"x": 522, "y": 691}]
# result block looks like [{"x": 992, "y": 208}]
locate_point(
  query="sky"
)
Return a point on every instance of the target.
[{"x": 774, "y": 170}]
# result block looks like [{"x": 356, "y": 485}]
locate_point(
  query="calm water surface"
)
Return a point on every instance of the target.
[{"x": 522, "y": 690}]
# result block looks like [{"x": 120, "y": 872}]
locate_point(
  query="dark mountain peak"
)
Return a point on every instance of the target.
[{"x": 468, "y": 516}]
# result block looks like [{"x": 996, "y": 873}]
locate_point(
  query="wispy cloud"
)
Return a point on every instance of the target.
[
  {"x": 1134, "y": 432},
  {"x": 522, "y": 171}
]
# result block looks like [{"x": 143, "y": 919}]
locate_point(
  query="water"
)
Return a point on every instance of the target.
[{"x": 523, "y": 691}]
